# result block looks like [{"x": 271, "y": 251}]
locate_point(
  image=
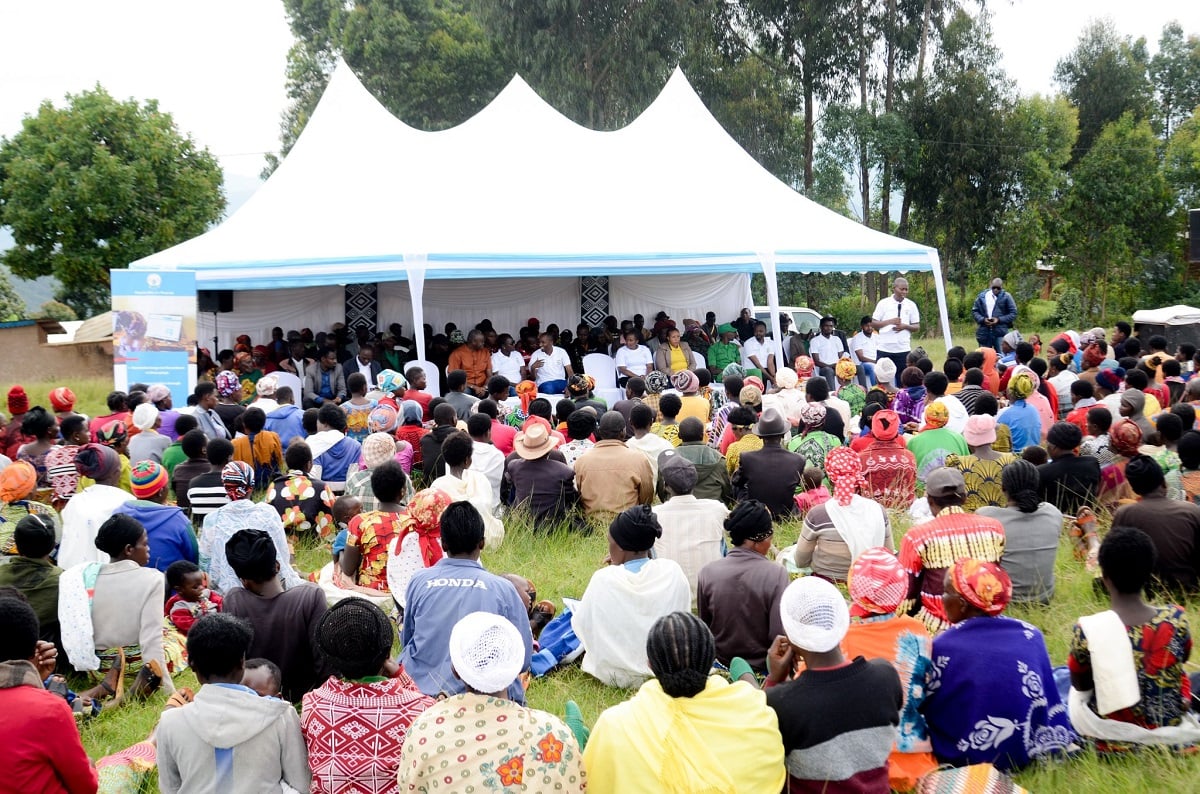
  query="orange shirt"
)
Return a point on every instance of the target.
[{"x": 474, "y": 362}]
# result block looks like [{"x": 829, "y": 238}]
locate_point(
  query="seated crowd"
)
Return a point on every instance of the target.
[{"x": 860, "y": 658}]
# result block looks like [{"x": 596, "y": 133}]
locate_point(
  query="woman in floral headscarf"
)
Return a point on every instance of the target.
[
  {"x": 527, "y": 393},
  {"x": 991, "y": 694},
  {"x": 840, "y": 529},
  {"x": 393, "y": 385},
  {"x": 1124, "y": 439},
  {"x": 656, "y": 383},
  {"x": 248, "y": 375},
  {"x": 813, "y": 442},
  {"x": 910, "y": 400},
  {"x": 804, "y": 367},
  {"x": 848, "y": 388},
  {"x": 877, "y": 584},
  {"x": 229, "y": 394},
  {"x": 1021, "y": 418},
  {"x": 417, "y": 543}
]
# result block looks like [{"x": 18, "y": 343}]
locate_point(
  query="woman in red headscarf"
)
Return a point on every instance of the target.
[
  {"x": 1124, "y": 439},
  {"x": 888, "y": 467},
  {"x": 991, "y": 378}
]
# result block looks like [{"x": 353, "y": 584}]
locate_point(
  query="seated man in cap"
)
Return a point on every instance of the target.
[
  {"x": 838, "y": 718},
  {"x": 511, "y": 745},
  {"x": 610, "y": 476},
  {"x": 738, "y": 596},
  {"x": 725, "y": 352},
  {"x": 772, "y": 475},
  {"x": 455, "y": 586},
  {"x": 928, "y": 549},
  {"x": 693, "y": 533},
  {"x": 632, "y": 592},
  {"x": 541, "y": 481}
]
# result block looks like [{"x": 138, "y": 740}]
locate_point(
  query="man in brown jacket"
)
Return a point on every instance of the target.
[{"x": 610, "y": 476}]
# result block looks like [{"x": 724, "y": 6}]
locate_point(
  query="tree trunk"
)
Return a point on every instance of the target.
[
  {"x": 864, "y": 167},
  {"x": 807, "y": 81},
  {"x": 885, "y": 182}
]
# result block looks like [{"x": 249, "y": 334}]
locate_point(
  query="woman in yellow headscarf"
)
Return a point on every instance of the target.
[
  {"x": 1021, "y": 418},
  {"x": 685, "y": 731}
]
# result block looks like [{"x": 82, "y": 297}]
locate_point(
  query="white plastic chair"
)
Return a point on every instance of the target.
[
  {"x": 292, "y": 382},
  {"x": 698, "y": 361},
  {"x": 432, "y": 381},
  {"x": 604, "y": 371}
]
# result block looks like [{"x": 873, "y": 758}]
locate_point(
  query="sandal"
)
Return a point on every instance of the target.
[
  {"x": 182, "y": 696},
  {"x": 115, "y": 689},
  {"x": 148, "y": 680}
]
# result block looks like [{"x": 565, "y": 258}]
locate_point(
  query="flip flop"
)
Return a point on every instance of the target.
[{"x": 181, "y": 697}]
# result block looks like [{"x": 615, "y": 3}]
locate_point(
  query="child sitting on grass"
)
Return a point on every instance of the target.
[
  {"x": 264, "y": 677},
  {"x": 191, "y": 599}
]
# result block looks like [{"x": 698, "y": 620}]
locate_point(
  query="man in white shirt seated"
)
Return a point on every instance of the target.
[
  {"x": 862, "y": 352},
  {"x": 825, "y": 349},
  {"x": 633, "y": 360},
  {"x": 507, "y": 361},
  {"x": 550, "y": 366},
  {"x": 761, "y": 353},
  {"x": 485, "y": 458},
  {"x": 693, "y": 529}
]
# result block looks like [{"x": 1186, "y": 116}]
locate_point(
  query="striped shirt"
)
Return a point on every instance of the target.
[{"x": 206, "y": 494}]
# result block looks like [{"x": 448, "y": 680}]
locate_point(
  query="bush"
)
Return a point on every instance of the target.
[{"x": 1069, "y": 310}]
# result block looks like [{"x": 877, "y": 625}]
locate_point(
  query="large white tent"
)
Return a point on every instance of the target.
[{"x": 521, "y": 192}]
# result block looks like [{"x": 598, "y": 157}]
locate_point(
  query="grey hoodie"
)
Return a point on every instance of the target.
[{"x": 229, "y": 741}]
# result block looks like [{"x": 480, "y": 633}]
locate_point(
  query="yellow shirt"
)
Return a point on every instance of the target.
[{"x": 678, "y": 361}]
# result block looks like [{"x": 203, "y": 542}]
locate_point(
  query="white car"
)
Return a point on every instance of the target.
[{"x": 805, "y": 322}]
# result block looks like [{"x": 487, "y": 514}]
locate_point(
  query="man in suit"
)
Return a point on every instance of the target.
[
  {"x": 364, "y": 362},
  {"x": 994, "y": 311},
  {"x": 772, "y": 474},
  {"x": 325, "y": 382}
]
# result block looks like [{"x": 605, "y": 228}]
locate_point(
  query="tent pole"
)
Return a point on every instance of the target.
[
  {"x": 767, "y": 260},
  {"x": 414, "y": 266},
  {"x": 943, "y": 313}
]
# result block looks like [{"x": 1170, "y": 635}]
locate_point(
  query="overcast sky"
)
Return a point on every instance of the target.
[{"x": 218, "y": 65}]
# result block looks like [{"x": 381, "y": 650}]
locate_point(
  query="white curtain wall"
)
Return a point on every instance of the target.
[
  {"x": 690, "y": 295},
  {"x": 256, "y": 312},
  {"x": 507, "y": 302}
]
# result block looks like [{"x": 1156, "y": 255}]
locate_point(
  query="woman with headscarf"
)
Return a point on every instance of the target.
[
  {"x": 1090, "y": 360},
  {"x": 786, "y": 398},
  {"x": 982, "y": 468},
  {"x": 1125, "y": 440},
  {"x": 416, "y": 543},
  {"x": 693, "y": 404},
  {"x": 991, "y": 377},
  {"x": 1133, "y": 406},
  {"x": 992, "y": 697},
  {"x": 393, "y": 385},
  {"x": 1008, "y": 347},
  {"x": 805, "y": 368},
  {"x": 632, "y": 592},
  {"x": 888, "y": 467},
  {"x": 813, "y": 442},
  {"x": 229, "y": 395},
  {"x": 656, "y": 383},
  {"x": 111, "y": 616},
  {"x": 527, "y": 392},
  {"x": 91, "y": 505},
  {"x": 910, "y": 400},
  {"x": 580, "y": 388},
  {"x": 385, "y": 419},
  {"x": 877, "y": 584},
  {"x": 848, "y": 388},
  {"x": 837, "y": 531},
  {"x": 675, "y": 734},
  {"x": 1021, "y": 418},
  {"x": 241, "y": 512},
  {"x": 411, "y": 430},
  {"x": 382, "y": 448}
]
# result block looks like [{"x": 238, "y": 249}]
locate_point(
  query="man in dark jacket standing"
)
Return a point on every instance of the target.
[{"x": 994, "y": 311}]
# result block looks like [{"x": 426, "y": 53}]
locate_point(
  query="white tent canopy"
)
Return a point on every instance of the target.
[{"x": 520, "y": 191}]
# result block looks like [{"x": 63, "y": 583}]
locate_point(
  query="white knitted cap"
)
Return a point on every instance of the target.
[
  {"x": 144, "y": 416},
  {"x": 487, "y": 651},
  {"x": 814, "y": 614}
]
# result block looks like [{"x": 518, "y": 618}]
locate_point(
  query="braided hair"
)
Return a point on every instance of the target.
[
  {"x": 681, "y": 651},
  {"x": 1019, "y": 480}
]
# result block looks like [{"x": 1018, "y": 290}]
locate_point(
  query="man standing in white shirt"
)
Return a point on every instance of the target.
[
  {"x": 760, "y": 353},
  {"x": 550, "y": 366},
  {"x": 862, "y": 352},
  {"x": 633, "y": 360},
  {"x": 896, "y": 318},
  {"x": 826, "y": 348}
]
